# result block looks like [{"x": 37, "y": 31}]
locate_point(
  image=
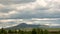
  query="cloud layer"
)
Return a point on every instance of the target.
[
  {"x": 36, "y": 21},
  {"x": 28, "y": 9}
]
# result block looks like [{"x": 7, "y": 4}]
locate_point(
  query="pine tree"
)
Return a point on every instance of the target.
[
  {"x": 22, "y": 32},
  {"x": 41, "y": 31},
  {"x": 15, "y": 31},
  {"x": 34, "y": 31},
  {"x": 45, "y": 32},
  {"x": 3, "y": 31},
  {"x": 38, "y": 31},
  {"x": 9, "y": 31},
  {"x": 19, "y": 31}
]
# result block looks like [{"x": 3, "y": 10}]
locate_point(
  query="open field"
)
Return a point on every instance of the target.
[{"x": 53, "y": 28}]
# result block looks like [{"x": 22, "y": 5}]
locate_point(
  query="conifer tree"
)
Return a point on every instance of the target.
[
  {"x": 41, "y": 31},
  {"x": 3, "y": 31},
  {"x": 38, "y": 31},
  {"x": 45, "y": 32},
  {"x": 34, "y": 31},
  {"x": 9, "y": 31}
]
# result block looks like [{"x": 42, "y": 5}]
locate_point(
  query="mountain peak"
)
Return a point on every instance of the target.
[{"x": 24, "y": 25}]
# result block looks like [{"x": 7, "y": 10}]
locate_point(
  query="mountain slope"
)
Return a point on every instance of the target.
[{"x": 24, "y": 25}]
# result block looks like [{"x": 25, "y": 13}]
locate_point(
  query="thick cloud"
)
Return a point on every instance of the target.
[
  {"x": 27, "y": 9},
  {"x": 15, "y": 1},
  {"x": 36, "y": 9},
  {"x": 5, "y": 10}
]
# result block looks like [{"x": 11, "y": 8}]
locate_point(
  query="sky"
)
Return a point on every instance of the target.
[{"x": 14, "y": 12}]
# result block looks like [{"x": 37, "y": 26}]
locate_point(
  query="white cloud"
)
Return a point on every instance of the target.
[
  {"x": 1, "y": 6},
  {"x": 52, "y": 24},
  {"x": 45, "y": 18},
  {"x": 31, "y": 5}
]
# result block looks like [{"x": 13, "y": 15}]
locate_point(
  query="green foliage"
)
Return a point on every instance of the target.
[
  {"x": 41, "y": 31},
  {"x": 9, "y": 31},
  {"x": 2, "y": 31},
  {"x": 38, "y": 31},
  {"x": 33, "y": 31},
  {"x": 45, "y": 32}
]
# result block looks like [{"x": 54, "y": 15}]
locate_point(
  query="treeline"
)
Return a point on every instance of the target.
[{"x": 33, "y": 31}]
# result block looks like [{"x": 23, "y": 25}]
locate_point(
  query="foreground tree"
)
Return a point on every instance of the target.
[
  {"x": 45, "y": 32},
  {"x": 34, "y": 31},
  {"x": 41, "y": 31},
  {"x": 2, "y": 31},
  {"x": 9, "y": 31}
]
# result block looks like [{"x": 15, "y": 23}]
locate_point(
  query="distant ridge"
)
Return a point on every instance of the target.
[{"x": 24, "y": 25}]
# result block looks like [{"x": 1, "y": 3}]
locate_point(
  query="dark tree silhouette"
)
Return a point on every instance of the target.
[
  {"x": 38, "y": 31},
  {"x": 3, "y": 31},
  {"x": 41, "y": 31},
  {"x": 34, "y": 31},
  {"x": 45, "y": 32},
  {"x": 9, "y": 31}
]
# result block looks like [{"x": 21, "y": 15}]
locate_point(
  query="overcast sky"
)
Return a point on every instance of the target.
[{"x": 13, "y": 12}]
